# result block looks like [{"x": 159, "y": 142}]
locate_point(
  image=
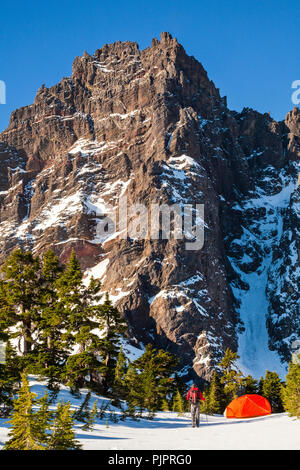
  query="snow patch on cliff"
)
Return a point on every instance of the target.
[{"x": 265, "y": 232}]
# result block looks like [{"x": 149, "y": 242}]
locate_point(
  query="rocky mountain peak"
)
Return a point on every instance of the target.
[
  {"x": 151, "y": 126},
  {"x": 292, "y": 121}
]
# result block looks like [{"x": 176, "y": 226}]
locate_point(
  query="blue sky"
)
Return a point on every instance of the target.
[{"x": 249, "y": 48}]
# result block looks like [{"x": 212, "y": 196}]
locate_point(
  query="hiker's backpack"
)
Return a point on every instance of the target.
[{"x": 194, "y": 396}]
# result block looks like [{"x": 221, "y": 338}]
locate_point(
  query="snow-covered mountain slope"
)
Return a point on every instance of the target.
[
  {"x": 284, "y": 282},
  {"x": 169, "y": 431},
  {"x": 150, "y": 126},
  {"x": 264, "y": 211}
]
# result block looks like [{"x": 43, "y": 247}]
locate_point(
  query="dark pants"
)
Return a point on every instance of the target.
[{"x": 195, "y": 412}]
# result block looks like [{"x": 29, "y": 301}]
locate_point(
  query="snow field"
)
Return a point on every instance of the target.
[{"x": 168, "y": 431}]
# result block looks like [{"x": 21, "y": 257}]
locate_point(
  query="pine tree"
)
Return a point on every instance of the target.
[
  {"x": 102, "y": 410},
  {"x": 113, "y": 417},
  {"x": 76, "y": 303},
  {"x": 83, "y": 412},
  {"x": 7, "y": 314},
  {"x": 19, "y": 294},
  {"x": 52, "y": 349},
  {"x": 6, "y": 393},
  {"x": 119, "y": 387},
  {"x": 177, "y": 384},
  {"x": 96, "y": 357},
  {"x": 90, "y": 420},
  {"x": 260, "y": 386},
  {"x": 216, "y": 395},
  {"x": 43, "y": 418},
  {"x": 30, "y": 312},
  {"x": 52, "y": 313},
  {"x": 79, "y": 369},
  {"x": 165, "y": 405},
  {"x": 250, "y": 385},
  {"x": 272, "y": 391},
  {"x": 205, "y": 405},
  {"x": 26, "y": 427},
  {"x": 112, "y": 326},
  {"x": 62, "y": 436},
  {"x": 142, "y": 389},
  {"x": 291, "y": 392},
  {"x": 231, "y": 376},
  {"x": 9, "y": 380},
  {"x": 178, "y": 404},
  {"x": 148, "y": 379},
  {"x": 148, "y": 384}
]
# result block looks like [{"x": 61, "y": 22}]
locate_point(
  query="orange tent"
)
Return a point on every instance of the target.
[{"x": 248, "y": 406}]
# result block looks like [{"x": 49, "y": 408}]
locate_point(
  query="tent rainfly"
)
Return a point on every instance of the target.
[{"x": 248, "y": 406}]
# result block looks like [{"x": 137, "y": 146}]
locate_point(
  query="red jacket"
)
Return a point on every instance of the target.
[{"x": 194, "y": 395}]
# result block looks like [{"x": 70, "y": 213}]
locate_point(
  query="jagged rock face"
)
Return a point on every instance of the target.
[
  {"x": 284, "y": 276},
  {"x": 151, "y": 126},
  {"x": 283, "y": 288}
]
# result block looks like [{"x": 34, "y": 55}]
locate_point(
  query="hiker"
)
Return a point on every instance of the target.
[{"x": 194, "y": 396}]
